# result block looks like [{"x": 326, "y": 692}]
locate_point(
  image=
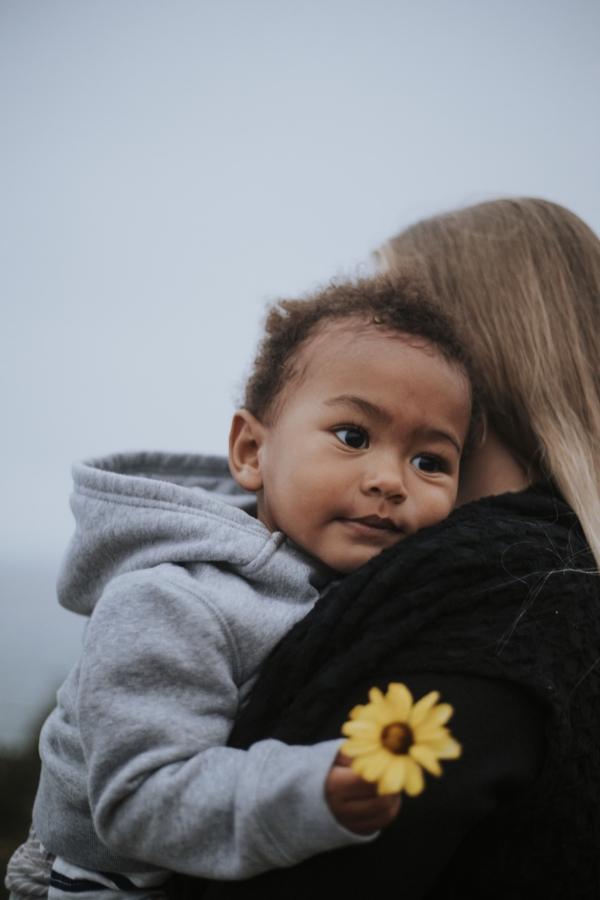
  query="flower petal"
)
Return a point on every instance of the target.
[
  {"x": 414, "y": 781},
  {"x": 426, "y": 758},
  {"x": 361, "y": 729},
  {"x": 451, "y": 749},
  {"x": 378, "y": 710},
  {"x": 369, "y": 713},
  {"x": 358, "y": 746},
  {"x": 401, "y": 700},
  {"x": 422, "y": 707},
  {"x": 392, "y": 780},
  {"x": 443, "y": 746},
  {"x": 385, "y": 706},
  {"x": 428, "y": 733},
  {"x": 376, "y": 697},
  {"x": 440, "y": 714},
  {"x": 371, "y": 766}
]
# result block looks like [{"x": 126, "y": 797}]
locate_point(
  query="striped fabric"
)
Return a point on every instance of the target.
[
  {"x": 28, "y": 872},
  {"x": 68, "y": 881},
  {"x": 35, "y": 874}
]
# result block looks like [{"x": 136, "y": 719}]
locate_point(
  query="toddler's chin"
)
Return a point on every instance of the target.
[
  {"x": 345, "y": 556},
  {"x": 350, "y": 562}
]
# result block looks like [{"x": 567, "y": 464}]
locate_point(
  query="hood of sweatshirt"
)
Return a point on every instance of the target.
[{"x": 139, "y": 510}]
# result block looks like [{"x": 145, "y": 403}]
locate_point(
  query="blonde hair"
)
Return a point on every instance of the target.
[{"x": 522, "y": 278}]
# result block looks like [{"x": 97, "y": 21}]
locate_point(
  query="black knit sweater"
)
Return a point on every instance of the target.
[{"x": 503, "y": 592}]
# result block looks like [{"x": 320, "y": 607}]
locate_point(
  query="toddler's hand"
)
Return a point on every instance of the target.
[{"x": 355, "y": 802}]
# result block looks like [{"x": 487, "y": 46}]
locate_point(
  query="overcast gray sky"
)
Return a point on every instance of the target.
[{"x": 167, "y": 166}]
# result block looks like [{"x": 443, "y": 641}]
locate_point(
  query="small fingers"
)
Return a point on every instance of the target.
[
  {"x": 355, "y": 802},
  {"x": 353, "y": 786},
  {"x": 347, "y": 785},
  {"x": 382, "y": 809},
  {"x": 365, "y": 817},
  {"x": 342, "y": 760}
]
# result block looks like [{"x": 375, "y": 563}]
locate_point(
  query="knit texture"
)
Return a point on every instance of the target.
[{"x": 505, "y": 588}]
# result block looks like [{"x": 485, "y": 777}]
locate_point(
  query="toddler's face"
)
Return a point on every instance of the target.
[{"x": 365, "y": 444}]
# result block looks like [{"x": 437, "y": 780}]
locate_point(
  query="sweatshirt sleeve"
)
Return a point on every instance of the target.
[{"x": 156, "y": 701}]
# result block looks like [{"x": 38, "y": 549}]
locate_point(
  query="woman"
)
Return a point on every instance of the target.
[{"x": 497, "y": 607}]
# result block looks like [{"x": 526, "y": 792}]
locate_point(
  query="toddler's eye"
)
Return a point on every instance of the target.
[
  {"x": 428, "y": 464},
  {"x": 353, "y": 437}
]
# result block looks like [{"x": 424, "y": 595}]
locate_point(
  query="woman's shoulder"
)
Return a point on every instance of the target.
[{"x": 540, "y": 503}]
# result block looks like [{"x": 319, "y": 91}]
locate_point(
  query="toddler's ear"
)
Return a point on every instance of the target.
[{"x": 245, "y": 440}]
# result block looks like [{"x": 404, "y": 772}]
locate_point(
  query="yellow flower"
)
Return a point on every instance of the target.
[{"x": 392, "y": 739}]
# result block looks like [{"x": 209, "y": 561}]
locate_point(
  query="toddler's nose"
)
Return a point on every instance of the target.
[{"x": 386, "y": 482}]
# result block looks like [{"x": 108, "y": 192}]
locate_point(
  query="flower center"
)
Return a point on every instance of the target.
[{"x": 397, "y": 737}]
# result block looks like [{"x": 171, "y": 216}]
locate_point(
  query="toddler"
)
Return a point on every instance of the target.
[{"x": 349, "y": 440}]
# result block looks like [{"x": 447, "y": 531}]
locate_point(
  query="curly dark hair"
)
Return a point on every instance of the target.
[{"x": 399, "y": 304}]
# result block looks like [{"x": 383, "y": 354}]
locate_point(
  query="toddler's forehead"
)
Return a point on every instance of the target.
[
  {"x": 353, "y": 355},
  {"x": 344, "y": 337},
  {"x": 354, "y": 340}
]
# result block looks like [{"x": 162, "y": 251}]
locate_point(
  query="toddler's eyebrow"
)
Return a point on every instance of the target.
[
  {"x": 434, "y": 434},
  {"x": 363, "y": 406}
]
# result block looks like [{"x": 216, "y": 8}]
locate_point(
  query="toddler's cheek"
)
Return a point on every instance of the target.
[{"x": 438, "y": 508}]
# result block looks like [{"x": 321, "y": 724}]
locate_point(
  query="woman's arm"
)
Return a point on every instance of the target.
[{"x": 501, "y": 729}]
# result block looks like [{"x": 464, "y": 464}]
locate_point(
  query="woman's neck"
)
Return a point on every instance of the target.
[{"x": 492, "y": 469}]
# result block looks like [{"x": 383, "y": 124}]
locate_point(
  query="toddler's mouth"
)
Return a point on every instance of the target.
[{"x": 375, "y": 526}]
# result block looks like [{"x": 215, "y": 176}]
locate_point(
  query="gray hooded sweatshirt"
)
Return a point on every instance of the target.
[{"x": 186, "y": 595}]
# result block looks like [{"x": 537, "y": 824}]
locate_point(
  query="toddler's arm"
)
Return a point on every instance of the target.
[{"x": 155, "y": 704}]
